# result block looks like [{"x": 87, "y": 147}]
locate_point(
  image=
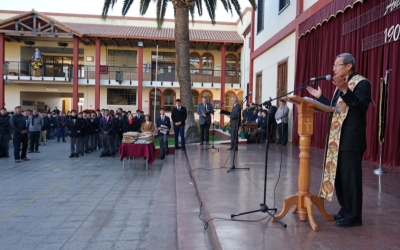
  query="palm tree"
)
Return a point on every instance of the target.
[{"x": 182, "y": 9}]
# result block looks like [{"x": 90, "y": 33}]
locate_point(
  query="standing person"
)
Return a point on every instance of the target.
[
  {"x": 20, "y": 126},
  {"x": 245, "y": 114},
  {"x": 129, "y": 125},
  {"x": 94, "y": 131},
  {"x": 54, "y": 126},
  {"x": 35, "y": 122},
  {"x": 272, "y": 123},
  {"x": 61, "y": 124},
  {"x": 147, "y": 125},
  {"x": 163, "y": 133},
  {"x": 84, "y": 133},
  {"x": 204, "y": 110},
  {"x": 107, "y": 126},
  {"x": 178, "y": 116},
  {"x": 74, "y": 128},
  {"x": 281, "y": 117},
  {"x": 99, "y": 135},
  {"x": 352, "y": 96},
  {"x": 56, "y": 110},
  {"x": 5, "y": 130},
  {"x": 235, "y": 121},
  {"x": 118, "y": 131},
  {"x": 138, "y": 120},
  {"x": 50, "y": 127},
  {"x": 45, "y": 127}
]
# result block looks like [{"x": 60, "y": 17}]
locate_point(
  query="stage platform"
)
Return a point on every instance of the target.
[{"x": 223, "y": 194}]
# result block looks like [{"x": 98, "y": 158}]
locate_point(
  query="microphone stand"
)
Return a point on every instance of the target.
[
  {"x": 236, "y": 142},
  {"x": 263, "y": 207}
]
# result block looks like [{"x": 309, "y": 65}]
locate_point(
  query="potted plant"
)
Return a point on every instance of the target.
[
  {"x": 227, "y": 127},
  {"x": 37, "y": 67},
  {"x": 216, "y": 124}
]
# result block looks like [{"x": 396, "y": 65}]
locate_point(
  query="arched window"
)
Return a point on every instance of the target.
[
  {"x": 195, "y": 99},
  {"x": 168, "y": 100},
  {"x": 228, "y": 102},
  {"x": 194, "y": 63},
  {"x": 207, "y": 94},
  {"x": 207, "y": 64},
  {"x": 231, "y": 63}
]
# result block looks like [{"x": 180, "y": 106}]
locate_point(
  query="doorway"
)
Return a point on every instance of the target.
[
  {"x": 282, "y": 84},
  {"x": 258, "y": 96}
]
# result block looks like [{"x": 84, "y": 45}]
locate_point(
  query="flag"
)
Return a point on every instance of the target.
[{"x": 383, "y": 109}]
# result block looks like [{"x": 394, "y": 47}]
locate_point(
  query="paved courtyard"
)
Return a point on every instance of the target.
[{"x": 53, "y": 202}]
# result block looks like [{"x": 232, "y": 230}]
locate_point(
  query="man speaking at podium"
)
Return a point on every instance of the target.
[
  {"x": 352, "y": 96},
  {"x": 204, "y": 110}
]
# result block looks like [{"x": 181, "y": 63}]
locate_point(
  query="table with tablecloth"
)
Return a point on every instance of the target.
[{"x": 137, "y": 151}]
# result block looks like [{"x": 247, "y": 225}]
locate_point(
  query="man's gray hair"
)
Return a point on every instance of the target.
[
  {"x": 348, "y": 59},
  {"x": 235, "y": 98}
]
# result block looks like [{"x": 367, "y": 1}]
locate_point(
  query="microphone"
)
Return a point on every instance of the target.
[
  {"x": 327, "y": 77},
  {"x": 249, "y": 94}
]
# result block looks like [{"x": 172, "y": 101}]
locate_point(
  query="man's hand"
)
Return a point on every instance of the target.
[
  {"x": 315, "y": 92},
  {"x": 23, "y": 132},
  {"x": 341, "y": 83},
  {"x": 105, "y": 132},
  {"x": 204, "y": 115},
  {"x": 177, "y": 123}
]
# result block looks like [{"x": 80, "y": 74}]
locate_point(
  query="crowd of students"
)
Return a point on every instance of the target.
[{"x": 89, "y": 131}]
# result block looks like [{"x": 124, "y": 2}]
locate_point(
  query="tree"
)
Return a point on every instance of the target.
[{"x": 182, "y": 9}]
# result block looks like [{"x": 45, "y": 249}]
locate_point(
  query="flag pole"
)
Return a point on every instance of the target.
[
  {"x": 155, "y": 85},
  {"x": 382, "y": 120}
]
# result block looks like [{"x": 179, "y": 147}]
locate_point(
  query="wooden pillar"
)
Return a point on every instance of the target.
[
  {"x": 97, "y": 75},
  {"x": 140, "y": 78},
  {"x": 223, "y": 73},
  {"x": 75, "y": 55},
  {"x": 251, "y": 70},
  {"x": 2, "y": 88}
]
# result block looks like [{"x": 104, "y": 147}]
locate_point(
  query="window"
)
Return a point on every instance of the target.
[
  {"x": 122, "y": 58},
  {"x": 231, "y": 62},
  {"x": 260, "y": 16},
  {"x": 282, "y": 84},
  {"x": 163, "y": 56},
  {"x": 283, "y": 4},
  {"x": 194, "y": 63},
  {"x": 228, "y": 102},
  {"x": 121, "y": 96},
  {"x": 207, "y": 94},
  {"x": 207, "y": 64},
  {"x": 258, "y": 94},
  {"x": 168, "y": 100},
  {"x": 195, "y": 99}
]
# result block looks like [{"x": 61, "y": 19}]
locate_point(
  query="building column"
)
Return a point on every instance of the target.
[
  {"x": 223, "y": 72},
  {"x": 2, "y": 88},
  {"x": 252, "y": 37},
  {"x": 140, "y": 78},
  {"x": 75, "y": 55},
  {"x": 97, "y": 75}
]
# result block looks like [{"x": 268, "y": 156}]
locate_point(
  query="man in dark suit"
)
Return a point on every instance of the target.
[
  {"x": 74, "y": 130},
  {"x": 353, "y": 143},
  {"x": 107, "y": 127},
  {"x": 62, "y": 123},
  {"x": 262, "y": 126},
  {"x": 235, "y": 121},
  {"x": 178, "y": 116},
  {"x": 204, "y": 110},
  {"x": 138, "y": 120},
  {"x": 163, "y": 132}
]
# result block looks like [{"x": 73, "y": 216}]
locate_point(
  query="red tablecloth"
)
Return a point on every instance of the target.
[{"x": 138, "y": 150}]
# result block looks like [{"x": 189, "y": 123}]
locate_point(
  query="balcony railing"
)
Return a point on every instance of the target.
[{"x": 111, "y": 73}]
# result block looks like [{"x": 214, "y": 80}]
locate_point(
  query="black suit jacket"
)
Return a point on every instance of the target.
[
  {"x": 353, "y": 137},
  {"x": 235, "y": 114},
  {"x": 179, "y": 115},
  {"x": 167, "y": 122}
]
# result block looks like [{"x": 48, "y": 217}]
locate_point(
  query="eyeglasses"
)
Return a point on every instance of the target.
[{"x": 337, "y": 65}]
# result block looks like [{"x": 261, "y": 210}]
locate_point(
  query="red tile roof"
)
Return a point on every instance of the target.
[{"x": 119, "y": 31}]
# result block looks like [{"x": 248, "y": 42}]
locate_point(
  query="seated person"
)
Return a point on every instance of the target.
[
  {"x": 262, "y": 126},
  {"x": 147, "y": 125}
]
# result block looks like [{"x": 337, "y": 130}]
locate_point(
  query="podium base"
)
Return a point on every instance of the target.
[{"x": 304, "y": 204}]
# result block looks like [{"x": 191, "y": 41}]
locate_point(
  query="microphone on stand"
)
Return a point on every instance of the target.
[
  {"x": 249, "y": 94},
  {"x": 327, "y": 77}
]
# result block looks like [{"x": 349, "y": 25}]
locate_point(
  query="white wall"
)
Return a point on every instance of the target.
[
  {"x": 273, "y": 22},
  {"x": 308, "y": 3},
  {"x": 267, "y": 63}
]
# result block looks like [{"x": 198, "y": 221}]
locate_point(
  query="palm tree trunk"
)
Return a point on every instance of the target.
[{"x": 182, "y": 47}]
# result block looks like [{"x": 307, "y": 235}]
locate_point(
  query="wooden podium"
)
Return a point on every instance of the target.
[{"x": 303, "y": 201}]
